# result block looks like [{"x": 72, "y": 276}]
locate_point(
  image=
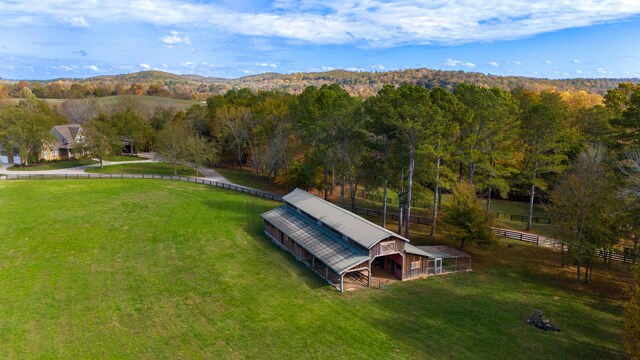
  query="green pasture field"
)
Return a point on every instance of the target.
[
  {"x": 249, "y": 178},
  {"x": 156, "y": 168},
  {"x": 134, "y": 268},
  {"x": 124, "y": 158}
]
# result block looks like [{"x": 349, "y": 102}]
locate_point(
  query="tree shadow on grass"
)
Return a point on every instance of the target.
[{"x": 459, "y": 318}]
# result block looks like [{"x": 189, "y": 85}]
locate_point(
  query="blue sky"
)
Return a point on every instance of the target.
[{"x": 233, "y": 38}]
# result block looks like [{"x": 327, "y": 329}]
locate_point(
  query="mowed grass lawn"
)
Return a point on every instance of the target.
[
  {"x": 152, "y": 269},
  {"x": 54, "y": 165},
  {"x": 124, "y": 158},
  {"x": 156, "y": 168},
  {"x": 248, "y": 178}
]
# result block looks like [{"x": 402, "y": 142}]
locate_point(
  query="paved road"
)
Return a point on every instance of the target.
[{"x": 209, "y": 174}]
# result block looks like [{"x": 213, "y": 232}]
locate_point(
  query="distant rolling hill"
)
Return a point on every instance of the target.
[{"x": 357, "y": 83}]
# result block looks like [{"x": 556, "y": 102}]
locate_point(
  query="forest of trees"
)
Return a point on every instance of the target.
[{"x": 357, "y": 83}]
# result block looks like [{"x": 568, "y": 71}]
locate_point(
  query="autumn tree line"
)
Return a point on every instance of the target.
[{"x": 357, "y": 83}]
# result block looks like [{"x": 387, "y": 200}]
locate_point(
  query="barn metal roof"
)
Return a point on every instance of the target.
[
  {"x": 336, "y": 253},
  {"x": 416, "y": 250},
  {"x": 343, "y": 221},
  {"x": 442, "y": 251}
]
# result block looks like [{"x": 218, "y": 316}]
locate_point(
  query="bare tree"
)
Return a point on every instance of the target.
[
  {"x": 630, "y": 192},
  {"x": 79, "y": 111},
  {"x": 584, "y": 208},
  {"x": 200, "y": 150},
  {"x": 172, "y": 144},
  {"x": 236, "y": 121}
]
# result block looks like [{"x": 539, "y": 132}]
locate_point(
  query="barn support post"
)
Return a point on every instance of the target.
[
  {"x": 369, "y": 275},
  {"x": 341, "y": 282}
]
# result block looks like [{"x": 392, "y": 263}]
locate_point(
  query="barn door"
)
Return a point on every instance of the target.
[{"x": 438, "y": 266}]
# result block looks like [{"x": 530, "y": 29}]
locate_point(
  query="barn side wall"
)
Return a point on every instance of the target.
[{"x": 421, "y": 264}]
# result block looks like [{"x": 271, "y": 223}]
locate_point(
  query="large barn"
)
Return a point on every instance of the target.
[{"x": 337, "y": 243}]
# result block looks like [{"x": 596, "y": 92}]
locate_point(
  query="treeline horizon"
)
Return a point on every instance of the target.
[{"x": 362, "y": 84}]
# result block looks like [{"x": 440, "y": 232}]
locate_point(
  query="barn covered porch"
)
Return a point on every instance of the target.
[{"x": 380, "y": 277}]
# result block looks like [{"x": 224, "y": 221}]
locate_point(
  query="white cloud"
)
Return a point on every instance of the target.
[
  {"x": 578, "y": 71},
  {"x": 548, "y": 62},
  {"x": 93, "y": 68},
  {"x": 188, "y": 64},
  {"x": 603, "y": 71},
  {"x": 175, "y": 39},
  {"x": 494, "y": 64},
  {"x": 366, "y": 23},
  {"x": 247, "y": 72},
  {"x": 577, "y": 61},
  {"x": 145, "y": 66},
  {"x": 65, "y": 67},
  {"x": 356, "y": 69},
  {"x": 456, "y": 63},
  {"x": 79, "y": 22},
  {"x": 327, "y": 68},
  {"x": 517, "y": 63},
  {"x": 267, "y": 65},
  {"x": 378, "y": 67}
]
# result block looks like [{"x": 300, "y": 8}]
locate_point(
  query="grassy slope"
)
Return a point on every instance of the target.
[
  {"x": 54, "y": 165},
  {"x": 150, "y": 101},
  {"x": 250, "y": 179},
  {"x": 158, "y": 269},
  {"x": 124, "y": 158},
  {"x": 143, "y": 168}
]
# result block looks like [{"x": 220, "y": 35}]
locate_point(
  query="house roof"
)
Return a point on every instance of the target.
[
  {"x": 336, "y": 253},
  {"x": 67, "y": 133},
  {"x": 355, "y": 227}
]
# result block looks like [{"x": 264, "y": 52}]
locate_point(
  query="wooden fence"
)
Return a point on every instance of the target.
[
  {"x": 627, "y": 257},
  {"x": 523, "y": 218},
  {"x": 516, "y": 235}
]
